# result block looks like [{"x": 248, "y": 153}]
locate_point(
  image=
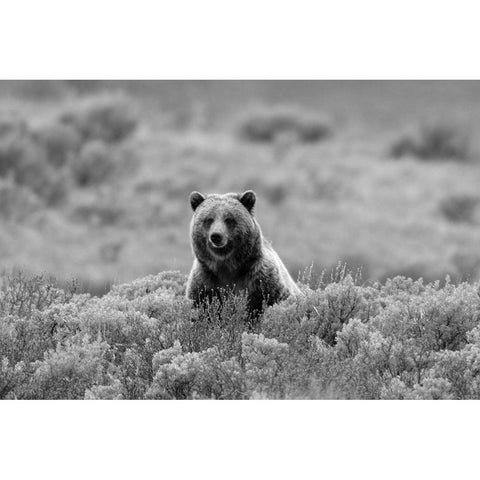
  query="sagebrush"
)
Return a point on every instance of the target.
[{"x": 402, "y": 339}]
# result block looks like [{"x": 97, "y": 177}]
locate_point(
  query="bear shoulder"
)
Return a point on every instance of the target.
[{"x": 277, "y": 272}]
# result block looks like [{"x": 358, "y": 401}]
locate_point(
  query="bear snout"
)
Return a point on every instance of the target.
[{"x": 217, "y": 239}]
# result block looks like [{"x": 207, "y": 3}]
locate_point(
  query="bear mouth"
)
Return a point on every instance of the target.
[{"x": 219, "y": 250}]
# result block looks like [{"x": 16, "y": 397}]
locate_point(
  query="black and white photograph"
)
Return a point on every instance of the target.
[{"x": 239, "y": 240}]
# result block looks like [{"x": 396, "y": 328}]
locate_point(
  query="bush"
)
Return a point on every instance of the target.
[
  {"x": 142, "y": 287},
  {"x": 94, "y": 165},
  {"x": 195, "y": 375},
  {"x": 21, "y": 294},
  {"x": 24, "y": 161},
  {"x": 268, "y": 124},
  {"x": 98, "y": 211},
  {"x": 16, "y": 203},
  {"x": 60, "y": 142},
  {"x": 67, "y": 372},
  {"x": 460, "y": 208},
  {"x": 403, "y": 339},
  {"x": 264, "y": 361},
  {"x": 275, "y": 188},
  {"x": 109, "y": 118},
  {"x": 11, "y": 124},
  {"x": 30, "y": 324},
  {"x": 467, "y": 265},
  {"x": 434, "y": 142},
  {"x": 49, "y": 156}
]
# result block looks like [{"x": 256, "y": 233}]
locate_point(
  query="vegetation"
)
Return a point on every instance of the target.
[
  {"x": 399, "y": 340},
  {"x": 268, "y": 124},
  {"x": 95, "y": 176},
  {"x": 433, "y": 143}
]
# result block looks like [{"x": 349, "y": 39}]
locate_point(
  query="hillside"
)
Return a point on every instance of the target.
[
  {"x": 95, "y": 176},
  {"x": 402, "y": 339}
]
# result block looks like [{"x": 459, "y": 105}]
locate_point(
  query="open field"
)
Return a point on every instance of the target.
[{"x": 101, "y": 193}]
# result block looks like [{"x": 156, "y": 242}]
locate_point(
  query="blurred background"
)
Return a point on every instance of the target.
[{"x": 384, "y": 175}]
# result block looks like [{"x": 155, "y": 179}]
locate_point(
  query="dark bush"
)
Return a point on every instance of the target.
[
  {"x": 267, "y": 124},
  {"x": 16, "y": 202},
  {"x": 434, "y": 142},
  {"x": 94, "y": 165},
  {"x": 460, "y": 208},
  {"x": 25, "y": 161},
  {"x": 109, "y": 117},
  {"x": 17, "y": 152},
  {"x": 12, "y": 124},
  {"x": 61, "y": 142},
  {"x": 276, "y": 192},
  {"x": 98, "y": 212}
]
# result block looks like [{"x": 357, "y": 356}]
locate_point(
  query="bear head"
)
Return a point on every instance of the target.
[{"x": 224, "y": 232}]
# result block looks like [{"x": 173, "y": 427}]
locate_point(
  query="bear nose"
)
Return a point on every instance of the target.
[{"x": 216, "y": 238}]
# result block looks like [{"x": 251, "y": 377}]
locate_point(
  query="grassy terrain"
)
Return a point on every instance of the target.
[
  {"x": 344, "y": 339},
  {"x": 384, "y": 175}
]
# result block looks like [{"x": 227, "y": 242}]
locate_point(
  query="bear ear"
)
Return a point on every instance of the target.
[
  {"x": 196, "y": 199},
  {"x": 248, "y": 200}
]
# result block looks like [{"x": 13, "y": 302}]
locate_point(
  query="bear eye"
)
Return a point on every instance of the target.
[
  {"x": 208, "y": 221},
  {"x": 230, "y": 221}
]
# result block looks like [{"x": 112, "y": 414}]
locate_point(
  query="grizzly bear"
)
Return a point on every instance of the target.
[{"x": 230, "y": 253}]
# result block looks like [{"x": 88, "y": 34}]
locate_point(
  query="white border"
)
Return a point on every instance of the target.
[
  {"x": 256, "y": 439},
  {"x": 242, "y": 40},
  {"x": 262, "y": 39}
]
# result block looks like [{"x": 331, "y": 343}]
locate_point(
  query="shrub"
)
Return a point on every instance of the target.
[
  {"x": 21, "y": 294},
  {"x": 31, "y": 323},
  {"x": 105, "y": 392},
  {"x": 267, "y": 124},
  {"x": 61, "y": 142},
  {"x": 196, "y": 375},
  {"x": 98, "y": 211},
  {"x": 67, "y": 372},
  {"x": 172, "y": 281},
  {"x": 16, "y": 202},
  {"x": 219, "y": 324},
  {"x": 467, "y": 265},
  {"x": 10, "y": 376},
  {"x": 22, "y": 159},
  {"x": 460, "y": 208},
  {"x": 453, "y": 375},
  {"x": 434, "y": 142},
  {"x": 109, "y": 118},
  {"x": 17, "y": 153},
  {"x": 94, "y": 165},
  {"x": 12, "y": 123},
  {"x": 336, "y": 305},
  {"x": 264, "y": 361},
  {"x": 77, "y": 147},
  {"x": 276, "y": 192},
  {"x": 403, "y": 339}
]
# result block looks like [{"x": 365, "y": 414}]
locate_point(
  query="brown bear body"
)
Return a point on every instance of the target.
[{"x": 231, "y": 253}]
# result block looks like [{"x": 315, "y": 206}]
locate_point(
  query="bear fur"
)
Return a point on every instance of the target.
[{"x": 232, "y": 254}]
